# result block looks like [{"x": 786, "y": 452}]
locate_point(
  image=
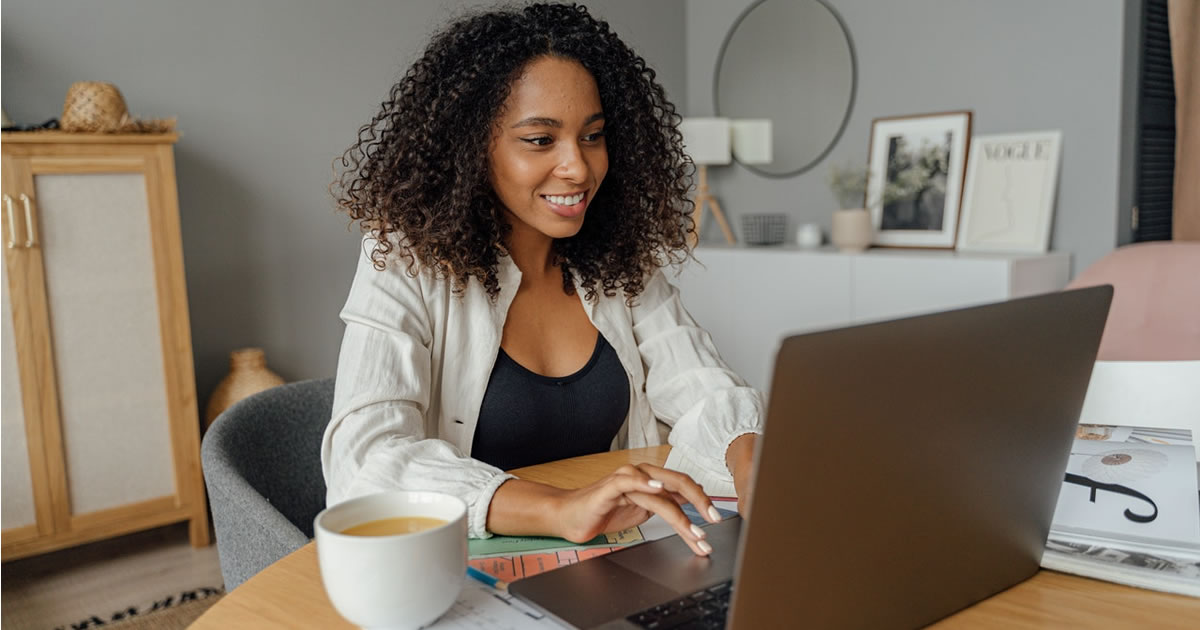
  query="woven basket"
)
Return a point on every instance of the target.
[
  {"x": 763, "y": 229},
  {"x": 248, "y": 375},
  {"x": 93, "y": 106},
  {"x": 96, "y": 107}
]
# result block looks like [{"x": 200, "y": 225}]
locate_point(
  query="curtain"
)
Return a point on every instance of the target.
[{"x": 1184, "y": 24}]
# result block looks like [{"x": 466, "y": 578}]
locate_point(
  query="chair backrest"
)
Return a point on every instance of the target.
[
  {"x": 262, "y": 464},
  {"x": 1155, "y": 313}
]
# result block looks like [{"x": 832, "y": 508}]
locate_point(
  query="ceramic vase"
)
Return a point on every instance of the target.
[
  {"x": 248, "y": 375},
  {"x": 852, "y": 231}
]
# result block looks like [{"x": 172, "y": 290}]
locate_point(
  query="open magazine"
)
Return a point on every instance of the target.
[{"x": 1129, "y": 509}]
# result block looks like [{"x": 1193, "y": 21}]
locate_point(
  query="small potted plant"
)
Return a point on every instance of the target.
[{"x": 851, "y": 223}]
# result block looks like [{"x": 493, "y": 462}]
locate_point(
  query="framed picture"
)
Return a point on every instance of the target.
[
  {"x": 915, "y": 177},
  {"x": 1008, "y": 203}
]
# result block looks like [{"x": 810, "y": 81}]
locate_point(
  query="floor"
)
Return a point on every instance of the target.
[{"x": 67, "y": 588}]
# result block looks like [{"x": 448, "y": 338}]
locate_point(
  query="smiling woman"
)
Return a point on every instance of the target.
[{"x": 519, "y": 192}]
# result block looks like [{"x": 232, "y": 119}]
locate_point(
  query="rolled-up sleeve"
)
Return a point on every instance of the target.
[
  {"x": 691, "y": 388},
  {"x": 380, "y": 436}
]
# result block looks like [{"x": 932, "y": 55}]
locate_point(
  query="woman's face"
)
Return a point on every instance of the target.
[{"x": 547, "y": 157}]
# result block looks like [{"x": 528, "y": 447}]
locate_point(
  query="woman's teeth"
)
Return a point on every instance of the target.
[{"x": 565, "y": 201}]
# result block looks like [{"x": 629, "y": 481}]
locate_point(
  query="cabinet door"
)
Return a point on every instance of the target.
[
  {"x": 18, "y": 516},
  {"x": 26, "y": 513},
  {"x": 102, "y": 304},
  {"x": 750, "y": 299},
  {"x": 888, "y": 285}
]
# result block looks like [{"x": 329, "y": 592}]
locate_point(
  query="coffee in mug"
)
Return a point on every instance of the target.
[{"x": 394, "y": 526}]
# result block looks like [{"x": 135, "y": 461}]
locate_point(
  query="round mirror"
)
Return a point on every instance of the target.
[{"x": 789, "y": 61}]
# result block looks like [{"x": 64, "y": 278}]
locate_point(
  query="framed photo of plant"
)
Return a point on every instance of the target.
[{"x": 915, "y": 178}]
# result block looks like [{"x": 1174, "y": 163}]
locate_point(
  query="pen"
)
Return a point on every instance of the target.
[{"x": 491, "y": 581}]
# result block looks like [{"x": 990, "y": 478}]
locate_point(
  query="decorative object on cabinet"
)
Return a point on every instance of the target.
[
  {"x": 852, "y": 231},
  {"x": 101, "y": 434},
  {"x": 786, "y": 56},
  {"x": 97, "y": 107},
  {"x": 808, "y": 236},
  {"x": 1008, "y": 201},
  {"x": 707, "y": 141},
  {"x": 764, "y": 229},
  {"x": 914, "y": 186},
  {"x": 248, "y": 375}
]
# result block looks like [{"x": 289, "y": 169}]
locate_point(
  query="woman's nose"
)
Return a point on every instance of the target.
[{"x": 571, "y": 165}]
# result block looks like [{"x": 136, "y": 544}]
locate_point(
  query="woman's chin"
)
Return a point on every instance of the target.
[{"x": 564, "y": 228}]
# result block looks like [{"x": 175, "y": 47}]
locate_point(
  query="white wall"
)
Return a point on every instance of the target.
[{"x": 1018, "y": 64}]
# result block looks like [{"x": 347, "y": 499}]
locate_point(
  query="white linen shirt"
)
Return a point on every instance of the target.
[{"x": 416, "y": 359}]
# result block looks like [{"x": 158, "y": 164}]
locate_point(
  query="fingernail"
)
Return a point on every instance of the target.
[
  {"x": 704, "y": 546},
  {"x": 697, "y": 531},
  {"x": 654, "y": 483},
  {"x": 713, "y": 513}
]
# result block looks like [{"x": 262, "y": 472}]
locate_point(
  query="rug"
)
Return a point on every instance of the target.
[{"x": 175, "y": 612}]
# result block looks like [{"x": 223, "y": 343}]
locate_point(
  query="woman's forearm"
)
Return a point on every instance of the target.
[{"x": 525, "y": 508}]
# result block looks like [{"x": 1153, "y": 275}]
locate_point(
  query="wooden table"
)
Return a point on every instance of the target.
[{"x": 289, "y": 593}]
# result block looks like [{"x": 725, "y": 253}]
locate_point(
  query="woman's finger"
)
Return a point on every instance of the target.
[
  {"x": 670, "y": 512},
  {"x": 679, "y": 483},
  {"x": 612, "y": 488}
]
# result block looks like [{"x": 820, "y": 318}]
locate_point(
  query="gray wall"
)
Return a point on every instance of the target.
[
  {"x": 267, "y": 93},
  {"x": 1020, "y": 65}
]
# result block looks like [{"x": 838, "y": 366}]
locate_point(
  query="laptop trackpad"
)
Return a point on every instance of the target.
[
  {"x": 670, "y": 561},
  {"x": 589, "y": 593}
]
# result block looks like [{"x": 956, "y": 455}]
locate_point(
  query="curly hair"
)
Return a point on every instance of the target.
[{"x": 417, "y": 177}]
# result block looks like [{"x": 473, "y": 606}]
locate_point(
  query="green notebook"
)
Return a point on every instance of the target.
[{"x": 513, "y": 545}]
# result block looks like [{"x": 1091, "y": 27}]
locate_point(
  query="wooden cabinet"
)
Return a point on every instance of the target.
[
  {"x": 100, "y": 429},
  {"x": 750, "y": 298}
]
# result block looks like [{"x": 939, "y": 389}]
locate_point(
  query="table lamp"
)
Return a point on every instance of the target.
[
  {"x": 717, "y": 141},
  {"x": 752, "y": 140},
  {"x": 707, "y": 141}
]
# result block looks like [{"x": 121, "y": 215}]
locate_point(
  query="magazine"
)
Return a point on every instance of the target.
[{"x": 1129, "y": 509}]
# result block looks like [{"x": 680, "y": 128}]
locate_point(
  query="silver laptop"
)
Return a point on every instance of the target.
[{"x": 908, "y": 469}]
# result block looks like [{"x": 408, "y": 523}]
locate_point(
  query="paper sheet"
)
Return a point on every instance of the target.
[{"x": 480, "y": 607}]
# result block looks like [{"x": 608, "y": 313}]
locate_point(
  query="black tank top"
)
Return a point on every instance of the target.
[{"x": 529, "y": 419}]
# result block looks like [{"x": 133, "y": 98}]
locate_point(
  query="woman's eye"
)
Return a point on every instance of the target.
[
  {"x": 594, "y": 137},
  {"x": 540, "y": 141}
]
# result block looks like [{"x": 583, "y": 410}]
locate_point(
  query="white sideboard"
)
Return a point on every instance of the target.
[{"x": 750, "y": 298}]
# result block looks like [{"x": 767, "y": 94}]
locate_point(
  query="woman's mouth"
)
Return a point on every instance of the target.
[{"x": 567, "y": 206}]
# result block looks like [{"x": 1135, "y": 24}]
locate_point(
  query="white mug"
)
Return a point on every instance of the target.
[{"x": 396, "y": 581}]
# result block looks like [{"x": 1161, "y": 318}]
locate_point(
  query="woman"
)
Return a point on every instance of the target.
[{"x": 520, "y": 190}]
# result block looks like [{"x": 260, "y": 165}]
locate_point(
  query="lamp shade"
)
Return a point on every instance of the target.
[
  {"x": 752, "y": 140},
  {"x": 706, "y": 140}
]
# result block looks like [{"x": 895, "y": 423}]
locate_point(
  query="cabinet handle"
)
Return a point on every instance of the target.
[
  {"x": 28, "y": 221},
  {"x": 12, "y": 226}
]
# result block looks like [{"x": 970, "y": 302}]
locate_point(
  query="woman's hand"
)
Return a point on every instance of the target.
[
  {"x": 628, "y": 497},
  {"x": 739, "y": 458}
]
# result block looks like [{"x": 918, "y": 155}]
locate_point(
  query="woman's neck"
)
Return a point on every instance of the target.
[{"x": 531, "y": 251}]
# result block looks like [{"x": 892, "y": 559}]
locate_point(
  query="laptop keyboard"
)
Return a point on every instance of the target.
[{"x": 703, "y": 609}]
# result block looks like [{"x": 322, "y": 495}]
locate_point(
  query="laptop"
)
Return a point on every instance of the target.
[{"x": 907, "y": 470}]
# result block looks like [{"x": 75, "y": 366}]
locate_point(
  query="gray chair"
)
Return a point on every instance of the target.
[{"x": 262, "y": 464}]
